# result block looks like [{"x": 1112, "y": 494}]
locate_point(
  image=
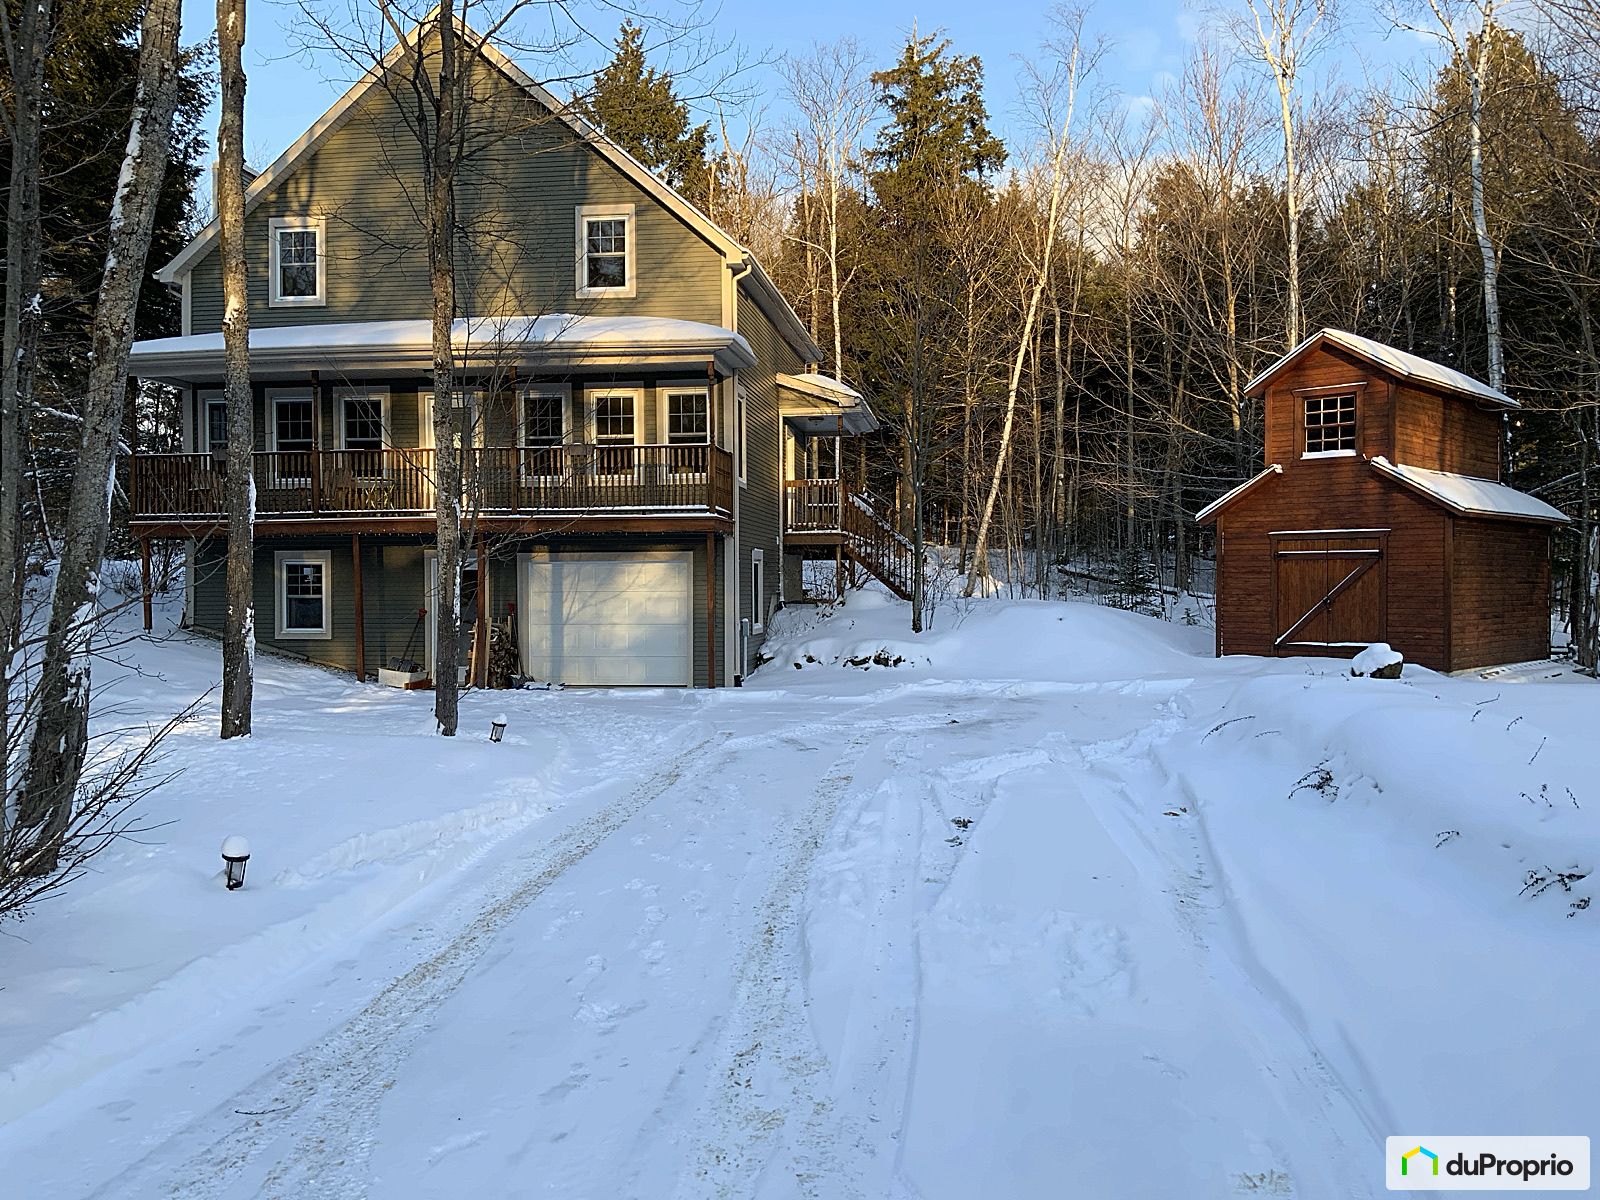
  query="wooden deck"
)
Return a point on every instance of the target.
[{"x": 643, "y": 488}]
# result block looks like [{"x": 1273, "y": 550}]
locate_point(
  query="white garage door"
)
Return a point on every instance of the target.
[{"x": 608, "y": 620}]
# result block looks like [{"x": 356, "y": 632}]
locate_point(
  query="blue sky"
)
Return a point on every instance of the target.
[{"x": 1147, "y": 42}]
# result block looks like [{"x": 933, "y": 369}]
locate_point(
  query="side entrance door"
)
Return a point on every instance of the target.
[{"x": 1329, "y": 590}]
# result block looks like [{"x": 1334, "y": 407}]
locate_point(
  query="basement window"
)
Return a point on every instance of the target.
[
  {"x": 1331, "y": 423},
  {"x": 303, "y": 579}
]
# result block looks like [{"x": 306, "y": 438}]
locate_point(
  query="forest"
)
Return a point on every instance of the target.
[{"x": 1057, "y": 328}]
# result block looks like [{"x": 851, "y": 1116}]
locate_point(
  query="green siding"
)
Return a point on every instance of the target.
[
  {"x": 760, "y": 501},
  {"x": 518, "y": 200},
  {"x": 392, "y": 587}
]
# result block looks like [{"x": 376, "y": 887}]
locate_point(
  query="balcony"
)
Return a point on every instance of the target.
[{"x": 592, "y": 486}]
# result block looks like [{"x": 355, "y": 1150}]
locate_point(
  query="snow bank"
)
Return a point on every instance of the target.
[{"x": 1050, "y": 641}]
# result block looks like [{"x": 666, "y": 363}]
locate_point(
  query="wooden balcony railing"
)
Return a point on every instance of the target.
[
  {"x": 811, "y": 505},
  {"x": 496, "y": 480}
]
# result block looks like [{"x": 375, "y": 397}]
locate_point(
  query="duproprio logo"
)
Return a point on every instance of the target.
[
  {"x": 1471, "y": 1164},
  {"x": 1418, "y": 1152}
]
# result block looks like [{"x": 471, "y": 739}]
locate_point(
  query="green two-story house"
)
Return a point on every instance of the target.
[{"x": 649, "y": 449}]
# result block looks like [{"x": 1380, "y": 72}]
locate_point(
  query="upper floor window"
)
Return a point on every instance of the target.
[
  {"x": 614, "y": 418},
  {"x": 1330, "y": 423},
  {"x": 216, "y": 433},
  {"x": 299, "y": 261},
  {"x": 605, "y": 250},
  {"x": 363, "y": 419},
  {"x": 543, "y": 419},
  {"x": 688, "y": 417}
]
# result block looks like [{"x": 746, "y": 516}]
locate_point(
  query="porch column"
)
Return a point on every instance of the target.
[
  {"x": 144, "y": 577},
  {"x": 481, "y": 640},
  {"x": 361, "y": 626},
  {"x": 711, "y": 610}
]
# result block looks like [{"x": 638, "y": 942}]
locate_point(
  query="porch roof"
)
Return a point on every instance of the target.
[
  {"x": 555, "y": 339},
  {"x": 819, "y": 405}
]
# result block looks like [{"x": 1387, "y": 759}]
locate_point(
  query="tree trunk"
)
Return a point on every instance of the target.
[
  {"x": 60, "y": 736},
  {"x": 239, "y": 620},
  {"x": 1480, "y": 221},
  {"x": 441, "y": 212},
  {"x": 26, "y": 48}
]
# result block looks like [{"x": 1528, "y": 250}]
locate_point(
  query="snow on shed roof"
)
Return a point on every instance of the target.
[
  {"x": 559, "y": 334},
  {"x": 1227, "y": 498},
  {"x": 1401, "y": 362},
  {"x": 1472, "y": 497}
]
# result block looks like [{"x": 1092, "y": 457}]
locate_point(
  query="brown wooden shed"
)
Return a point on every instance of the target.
[{"x": 1380, "y": 517}]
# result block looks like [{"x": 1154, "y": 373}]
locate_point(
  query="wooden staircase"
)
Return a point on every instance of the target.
[{"x": 871, "y": 541}]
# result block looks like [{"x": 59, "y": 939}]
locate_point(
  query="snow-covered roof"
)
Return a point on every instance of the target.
[
  {"x": 777, "y": 305},
  {"x": 1399, "y": 362},
  {"x": 1472, "y": 497},
  {"x": 558, "y": 336},
  {"x": 824, "y": 403},
  {"x": 1227, "y": 498}
]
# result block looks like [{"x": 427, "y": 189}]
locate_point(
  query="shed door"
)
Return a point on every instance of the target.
[
  {"x": 1329, "y": 592},
  {"x": 608, "y": 620}
]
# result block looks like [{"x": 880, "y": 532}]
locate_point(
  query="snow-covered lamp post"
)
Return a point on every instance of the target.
[
  {"x": 235, "y": 853},
  {"x": 497, "y": 728}
]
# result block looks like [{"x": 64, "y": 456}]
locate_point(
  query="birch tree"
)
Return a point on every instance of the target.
[
  {"x": 1057, "y": 96},
  {"x": 1467, "y": 29},
  {"x": 239, "y": 619},
  {"x": 60, "y": 735},
  {"x": 832, "y": 90},
  {"x": 1285, "y": 34}
]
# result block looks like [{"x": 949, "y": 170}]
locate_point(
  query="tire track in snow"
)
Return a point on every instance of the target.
[
  {"x": 1332, "y": 1118},
  {"x": 770, "y": 1071},
  {"x": 324, "y": 1100}
]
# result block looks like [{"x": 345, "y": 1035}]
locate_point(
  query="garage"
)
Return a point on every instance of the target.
[
  {"x": 608, "y": 620},
  {"x": 1329, "y": 592}
]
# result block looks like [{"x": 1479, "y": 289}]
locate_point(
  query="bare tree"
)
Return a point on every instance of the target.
[
  {"x": 832, "y": 91},
  {"x": 25, "y": 34},
  {"x": 239, "y": 619},
  {"x": 60, "y": 734},
  {"x": 1286, "y": 34},
  {"x": 1467, "y": 28},
  {"x": 1056, "y": 95}
]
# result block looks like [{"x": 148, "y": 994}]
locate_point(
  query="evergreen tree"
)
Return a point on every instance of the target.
[{"x": 638, "y": 107}]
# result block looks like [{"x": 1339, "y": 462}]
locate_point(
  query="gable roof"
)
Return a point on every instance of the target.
[
  {"x": 1397, "y": 362},
  {"x": 776, "y": 305},
  {"x": 1210, "y": 511},
  {"x": 1468, "y": 496}
]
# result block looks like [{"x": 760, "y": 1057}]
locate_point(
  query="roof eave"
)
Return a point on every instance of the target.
[{"x": 1211, "y": 511}]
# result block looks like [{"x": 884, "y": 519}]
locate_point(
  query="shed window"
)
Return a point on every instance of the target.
[{"x": 1330, "y": 423}]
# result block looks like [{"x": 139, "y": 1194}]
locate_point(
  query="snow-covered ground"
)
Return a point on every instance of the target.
[{"x": 1057, "y": 905}]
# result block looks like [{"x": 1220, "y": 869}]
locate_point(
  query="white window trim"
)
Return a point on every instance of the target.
[
  {"x": 758, "y": 591},
  {"x": 1330, "y": 454},
  {"x": 280, "y": 578},
  {"x": 679, "y": 387},
  {"x": 274, "y": 397},
  {"x": 475, "y": 402},
  {"x": 340, "y": 395},
  {"x": 209, "y": 400},
  {"x": 741, "y": 434},
  {"x": 591, "y": 395},
  {"x": 604, "y": 212},
  {"x": 279, "y": 225},
  {"x": 563, "y": 390}
]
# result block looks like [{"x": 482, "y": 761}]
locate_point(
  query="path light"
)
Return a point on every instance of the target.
[
  {"x": 497, "y": 728},
  {"x": 235, "y": 853}
]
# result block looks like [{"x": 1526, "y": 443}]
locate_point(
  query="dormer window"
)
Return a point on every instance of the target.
[
  {"x": 605, "y": 250},
  {"x": 299, "y": 261},
  {"x": 1331, "y": 423}
]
